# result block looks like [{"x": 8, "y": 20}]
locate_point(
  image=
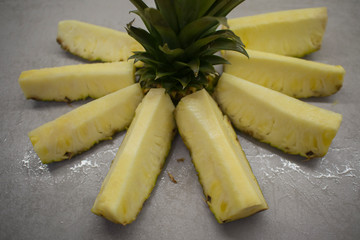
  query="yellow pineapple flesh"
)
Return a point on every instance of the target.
[
  {"x": 228, "y": 182},
  {"x": 74, "y": 82},
  {"x": 139, "y": 160},
  {"x": 292, "y": 76},
  {"x": 292, "y": 33},
  {"x": 284, "y": 122},
  {"x": 94, "y": 42},
  {"x": 79, "y": 129}
]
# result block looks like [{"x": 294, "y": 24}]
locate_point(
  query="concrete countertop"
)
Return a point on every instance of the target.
[{"x": 317, "y": 199}]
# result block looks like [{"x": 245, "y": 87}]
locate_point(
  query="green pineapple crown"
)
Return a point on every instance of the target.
[{"x": 181, "y": 43}]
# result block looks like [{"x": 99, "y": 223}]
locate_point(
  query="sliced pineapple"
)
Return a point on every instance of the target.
[
  {"x": 287, "y": 123},
  {"x": 291, "y": 33},
  {"x": 139, "y": 160},
  {"x": 74, "y": 82},
  {"x": 83, "y": 127},
  {"x": 229, "y": 185},
  {"x": 292, "y": 76},
  {"x": 94, "y": 42}
]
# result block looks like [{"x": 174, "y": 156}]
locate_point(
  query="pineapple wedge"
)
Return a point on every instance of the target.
[
  {"x": 292, "y": 76},
  {"x": 229, "y": 185},
  {"x": 291, "y": 33},
  {"x": 287, "y": 123},
  {"x": 139, "y": 160},
  {"x": 94, "y": 42},
  {"x": 74, "y": 82},
  {"x": 83, "y": 127}
]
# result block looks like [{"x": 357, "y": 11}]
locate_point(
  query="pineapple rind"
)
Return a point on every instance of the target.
[
  {"x": 75, "y": 82},
  {"x": 95, "y": 43},
  {"x": 292, "y": 33},
  {"x": 139, "y": 160},
  {"x": 79, "y": 129},
  {"x": 229, "y": 186},
  {"x": 292, "y": 76},
  {"x": 284, "y": 122}
]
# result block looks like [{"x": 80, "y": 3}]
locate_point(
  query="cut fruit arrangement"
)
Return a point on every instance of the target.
[{"x": 170, "y": 82}]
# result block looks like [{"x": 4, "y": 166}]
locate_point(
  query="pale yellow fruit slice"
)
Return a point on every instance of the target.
[
  {"x": 94, "y": 42},
  {"x": 79, "y": 129},
  {"x": 284, "y": 122},
  {"x": 74, "y": 82},
  {"x": 229, "y": 185},
  {"x": 139, "y": 160},
  {"x": 292, "y": 76},
  {"x": 291, "y": 33}
]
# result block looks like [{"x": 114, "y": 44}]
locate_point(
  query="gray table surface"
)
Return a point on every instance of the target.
[{"x": 318, "y": 199}]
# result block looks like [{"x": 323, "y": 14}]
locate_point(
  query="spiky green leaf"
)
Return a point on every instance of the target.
[
  {"x": 196, "y": 47},
  {"x": 221, "y": 8},
  {"x": 171, "y": 54},
  {"x": 167, "y": 10},
  {"x": 143, "y": 37},
  {"x": 198, "y": 28},
  {"x": 214, "y": 59},
  {"x": 225, "y": 44},
  {"x": 162, "y": 27},
  {"x": 194, "y": 65}
]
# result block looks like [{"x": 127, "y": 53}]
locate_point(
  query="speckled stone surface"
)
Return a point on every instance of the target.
[{"x": 317, "y": 199}]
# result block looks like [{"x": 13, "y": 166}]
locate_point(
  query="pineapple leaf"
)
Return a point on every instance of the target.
[
  {"x": 214, "y": 59},
  {"x": 143, "y": 37},
  {"x": 186, "y": 10},
  {"x": 216, "y": 7},
  {"x": 141, "y": 6},
  {"x": 225, "y": 44},
  {"x": 162, "y": 27},
  {"x": 171, "y": 54},
  {"x": 160, "y": 74},
  {"x": 198, "y": 28},
  {"x": 146, "y": 74},
  {"x": 196, "y": 47},
  {"x": 145, "y": 58},
  {"x": 194, "y": 65},
  {"x": 189, "y": 10},
  {"x": 226, "y": 8},
  {"x": 204, "y": 6},
  {"x": 184, "y": 81},
  {"x": 206, "y": 67},
  {"x": 167, "y": 10}
]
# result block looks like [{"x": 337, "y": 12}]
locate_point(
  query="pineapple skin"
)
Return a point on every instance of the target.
[
  {"x": 139, "y": 160},
  {"x": 292, "y": 33},
  {"x": 294, "y": 77},
  {"x": 284, "y": 122},
  {"x": 79, "y": 129},
  {"x": 230, "y": 188},
  {"x": 95, "y": 43},
  {"x": 75, "y": 82}
]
